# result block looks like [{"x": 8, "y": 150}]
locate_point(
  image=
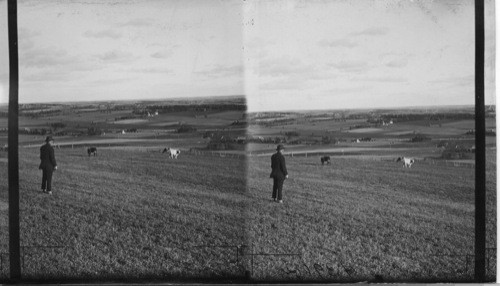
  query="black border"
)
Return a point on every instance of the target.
[
  {"x": 480, "y": 192},
  {"x": 13, "y": 130}
]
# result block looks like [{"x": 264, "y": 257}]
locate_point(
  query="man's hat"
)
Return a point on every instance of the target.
[
  {"x": 280, "y": 147},
  {"x": 49, "y": 138}
]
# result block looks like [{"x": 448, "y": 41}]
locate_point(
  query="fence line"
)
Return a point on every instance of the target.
[
  {"x": 217, "y": 154},
  {"x": 448, "y": 163}
]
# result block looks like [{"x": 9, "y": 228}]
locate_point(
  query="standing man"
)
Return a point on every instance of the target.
[
  {"x": 278, "y": 173},
  {"x": 48, "y": 164}
]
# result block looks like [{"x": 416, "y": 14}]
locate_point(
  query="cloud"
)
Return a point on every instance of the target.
[
  {"x": 103, "y": 34},
  {"x": 343, "y": 90},
  {"x": 27, "y": 39},
  {"x": 455, "y": 81},
  {"x": 340, "y": 43},
  {"x": 154, "y": 70},
  {"x": 104, "y": 81},
  {"x": 139, "y": 22},
  {"x": 396, "y": 59},
  {"x": 350, "y": 66},
  {"x": 282, "y": 85},
  {"x": 288, "y": 73},
  {"x": 4, "y": 79},
  {"x": 372, "y": 32},
  {"x": 284, "y": 66},
  {"x": 259, "y": 43},
  {"x": 27, "y": 33},
  {"x": 115, "y": 56},
  {"x": 45, "y": 57},
  {"x": 219, "y": 71},
  {"x": 47, "y": 75},
  {"x": 397, "y": 63},
  {"x": 162, "y": 54},
  {"x": 383, "y": 79}
]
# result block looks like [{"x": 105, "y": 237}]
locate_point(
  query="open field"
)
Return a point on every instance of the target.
[
  {"x": 356, "y": 220},
  {"x": 130, "y": 214}
]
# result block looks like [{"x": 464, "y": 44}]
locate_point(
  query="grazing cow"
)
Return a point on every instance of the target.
[
  {"x": 172, "y": 153},
  {"x": 407, "y": 162},
  {"x": 92, "y": 150},
  {"x": 325, "y": 159}
]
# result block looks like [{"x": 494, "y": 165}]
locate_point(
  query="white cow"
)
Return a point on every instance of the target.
[
  {"x": 172, "y": 153},
  {"x": 407, "y": 162}
]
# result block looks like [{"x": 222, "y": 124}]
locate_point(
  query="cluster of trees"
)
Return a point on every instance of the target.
[
  {"x": 427, "y": 116},
  {"x": 40, "y": 113},
  {"x": 186, "y": 129},
  {"x": 35, "y": 131},
  {"x": 92, "y": 131},
  {"x": 292, "y": 134},
  {"x": 329, "y": 140},
  {"x": 125, "y": 117},
  {"x": 277, "y": 121},
  {"x": 239, "y": 123},
  {"x": 457, "y": 150},
  {"x": 141, "y": 112},
  {"x": 363, "y": 139},
  {"x": 358, "y": 126},
  {"x": 192, "y": 107},
  {"x": 57, "y": 125},
  {"x": 224, "y": 141},
  {"x": 121, "y": 107},
  {"x": 488, "y": 132},
  {"x": 420, "y": 138}
]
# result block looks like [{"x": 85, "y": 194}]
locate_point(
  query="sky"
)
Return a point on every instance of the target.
[
  {"x": 363, "y": 53},
  {"x": 119, "y": 50},
  {"x": 280, "y": 54}
]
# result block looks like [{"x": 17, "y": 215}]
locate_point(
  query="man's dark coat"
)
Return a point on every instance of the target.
[
  {"x": 278, "y": 166},
  {"x": 47, "y": 156}
]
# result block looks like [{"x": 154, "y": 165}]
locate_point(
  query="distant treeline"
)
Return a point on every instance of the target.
[
  {"x": 40, "y": 113},
  {"x": 488, "y": 132},
  {"x": 370, "y": 117},
  {"x": 191, "y": 107},
  {"x": 427, "y": 116},
  {"x": 277, "y": 121}
]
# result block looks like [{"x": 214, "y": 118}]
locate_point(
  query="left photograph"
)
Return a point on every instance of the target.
[{"x": 132, "y": 121}]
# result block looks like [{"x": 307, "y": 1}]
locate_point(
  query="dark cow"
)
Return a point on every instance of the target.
[
  {"x": 92, "y": 150},
  {"x": 325, "y": 159}
]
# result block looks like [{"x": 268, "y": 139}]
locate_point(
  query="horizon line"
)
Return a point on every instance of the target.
[
  {"x": 374, "y": 108},
  {"x": 133, "y": 99}
]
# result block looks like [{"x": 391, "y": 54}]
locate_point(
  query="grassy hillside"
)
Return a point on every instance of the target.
[
  {"x": 126, "y": 214},
  {"x": 365, "y": 220}
]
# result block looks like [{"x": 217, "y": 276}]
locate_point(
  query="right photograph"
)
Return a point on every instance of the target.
[{"x": 361, "y": 140}]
